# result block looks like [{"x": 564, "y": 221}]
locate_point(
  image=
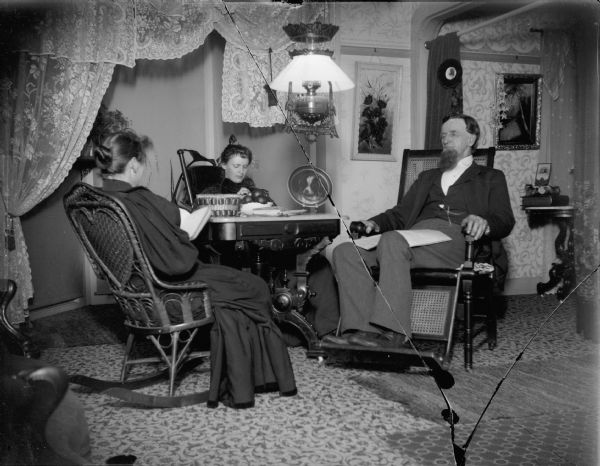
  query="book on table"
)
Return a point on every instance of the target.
[{"x": 414, "y": 238}]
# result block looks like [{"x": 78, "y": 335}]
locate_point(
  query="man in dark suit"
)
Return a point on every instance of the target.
[{"x": 457, "y": 198}]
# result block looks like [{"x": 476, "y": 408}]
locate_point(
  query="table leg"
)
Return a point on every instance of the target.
[
  {"x": 562, "y": 272},
  {"x": 288, "y": 304}
]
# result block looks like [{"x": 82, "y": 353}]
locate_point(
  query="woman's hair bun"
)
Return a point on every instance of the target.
[
  {"x": 232, "y": 139},
  {"x": 103, "y": 157}
]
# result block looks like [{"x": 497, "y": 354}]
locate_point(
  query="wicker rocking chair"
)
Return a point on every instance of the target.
[{"x": 157, "y": 310}]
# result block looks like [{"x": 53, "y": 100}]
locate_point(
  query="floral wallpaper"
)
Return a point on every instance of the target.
[{"x": 524, "y": 246}]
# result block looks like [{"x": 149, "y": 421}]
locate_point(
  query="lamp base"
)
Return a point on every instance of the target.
[{"x": 312, "y": 115}]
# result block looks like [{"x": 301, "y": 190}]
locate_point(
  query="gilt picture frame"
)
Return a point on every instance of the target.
[
  {"x": 518, "y": 106},
  {"x": 376, "y": 111}
]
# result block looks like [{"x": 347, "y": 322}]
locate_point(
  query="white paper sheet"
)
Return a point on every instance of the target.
[
  {"x": 193, "y": 222},
  {"x": 413, "y": 237}
]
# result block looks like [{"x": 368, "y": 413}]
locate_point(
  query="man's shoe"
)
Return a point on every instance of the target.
[
  {"x": 336, "y": 340},
  {"x": 392, "y": 339},
  {"x": 368, "y": 339}
]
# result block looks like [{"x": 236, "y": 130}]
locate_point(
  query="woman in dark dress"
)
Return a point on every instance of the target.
[
  {"x": 247, "y": 350},
  {"x": 235, "y": 160}
]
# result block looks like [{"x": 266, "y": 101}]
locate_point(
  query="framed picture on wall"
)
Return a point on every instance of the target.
[
  {"x": 376, "y": 111},
  {"x": 518, "y": 106},
  {"x": 542, "y": 174}
]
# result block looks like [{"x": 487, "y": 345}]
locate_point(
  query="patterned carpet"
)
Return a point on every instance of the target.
[{"x": 544, "y": 413}]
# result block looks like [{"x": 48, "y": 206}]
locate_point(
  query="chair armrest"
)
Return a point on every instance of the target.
[
  {"x": 180, "y": 286},
  {"x": 436, "y": 275}
]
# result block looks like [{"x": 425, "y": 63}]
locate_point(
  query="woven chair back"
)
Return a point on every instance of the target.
[{"x": 113, "y": 246}]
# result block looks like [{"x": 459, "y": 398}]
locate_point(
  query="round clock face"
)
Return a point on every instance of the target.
[
  {"x": 309, "y": 186},
  {"x": 449, "y": 73}
]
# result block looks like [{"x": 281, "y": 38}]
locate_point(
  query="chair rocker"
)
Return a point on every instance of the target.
[{"x": 157, "y": 310}]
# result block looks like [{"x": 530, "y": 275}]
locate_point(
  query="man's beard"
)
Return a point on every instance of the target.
[{"x": 448, "y": 159}]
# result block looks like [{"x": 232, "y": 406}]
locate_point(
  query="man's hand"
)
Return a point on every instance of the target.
[
  {"x": 370, "y": 226},
  {"x": 475, "y": 226},
  {"x": 363, "y": 227}
]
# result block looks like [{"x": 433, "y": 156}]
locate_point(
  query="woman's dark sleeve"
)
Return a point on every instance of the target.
[{"x": 167, "y": 246}]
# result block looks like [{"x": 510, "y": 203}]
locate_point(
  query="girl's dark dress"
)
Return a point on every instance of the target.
[{"x": 247, "y": 352}]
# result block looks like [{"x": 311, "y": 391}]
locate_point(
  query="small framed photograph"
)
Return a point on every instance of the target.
[
  {"x": 542, "y": 175},
  {"x": 519, "y": 101}
]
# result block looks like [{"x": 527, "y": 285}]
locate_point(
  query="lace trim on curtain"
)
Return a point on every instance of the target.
[
  {"x": 244, "y": 98},
  {"x": 171, "y": 33},
  {"x": 89, "y": 31},
  {"x": 118, "y": 32},
  {"x": 556, "y": 56}
]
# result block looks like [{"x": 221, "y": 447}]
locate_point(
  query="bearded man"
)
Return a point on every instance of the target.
[{"x": 457, "y": 198}]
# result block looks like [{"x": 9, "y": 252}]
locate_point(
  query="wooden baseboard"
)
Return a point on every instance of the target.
[
  {"x": 56, "y": 309},
  {"x": 519, "y": 286}
]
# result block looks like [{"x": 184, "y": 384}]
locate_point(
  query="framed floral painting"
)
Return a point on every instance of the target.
[{"x": 376, "y": 107}]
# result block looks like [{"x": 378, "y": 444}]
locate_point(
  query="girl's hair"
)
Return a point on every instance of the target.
[
  {"x": 233, "y": 149},
  {"x": 118, "y": 149}
]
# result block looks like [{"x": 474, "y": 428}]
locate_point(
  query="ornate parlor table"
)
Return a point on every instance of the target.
[
  {"x": 562, "y": 272},
  {"x": 304, "y": 235}
]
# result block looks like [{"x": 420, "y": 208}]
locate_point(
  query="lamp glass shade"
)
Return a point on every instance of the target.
[{"x": 312, "y": 67}]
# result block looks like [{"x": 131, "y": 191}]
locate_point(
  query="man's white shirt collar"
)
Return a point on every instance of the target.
[{"x": 449, "y": 177}]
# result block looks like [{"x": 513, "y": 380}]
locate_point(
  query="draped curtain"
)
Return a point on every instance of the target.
[
  {"x": 57, "y": 60},
  {"x": 47, "y": 108},
  {"x": 587, "y": 175},
  {"x": 571, "y": 71},
  {"x": 440, "y": 100}
]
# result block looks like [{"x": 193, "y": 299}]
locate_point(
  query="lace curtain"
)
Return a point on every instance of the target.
[
  {"x": 258, "y": 28},
  {"x": 47, "y": 110}
]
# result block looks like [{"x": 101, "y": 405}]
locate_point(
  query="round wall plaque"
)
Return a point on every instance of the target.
[{"x": 450, "y": 72}]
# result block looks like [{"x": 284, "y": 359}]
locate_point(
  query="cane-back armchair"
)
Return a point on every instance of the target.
[
  {"x": 482, "y": 274},
  {"x": 169, "y": 314}
]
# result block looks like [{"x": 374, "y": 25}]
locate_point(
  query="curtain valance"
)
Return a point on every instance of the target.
[
  {"x": 122, "y": 31},
  {"x": 109, "y": 31}
]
